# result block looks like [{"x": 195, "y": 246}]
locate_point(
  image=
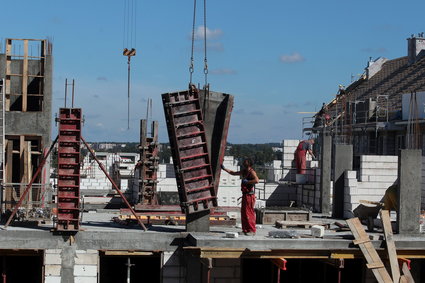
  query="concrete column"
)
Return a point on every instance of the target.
[
  {"x": 409, "y": 193},
  {"x": 198, "y": 221},
  {"x": 325, "y": 174},
  {"x": 343, "y": 160}
]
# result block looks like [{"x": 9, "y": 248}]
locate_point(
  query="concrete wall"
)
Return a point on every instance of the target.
[
  {"x": 32, "y": 123},
  {"x": 377, "y": 173}
]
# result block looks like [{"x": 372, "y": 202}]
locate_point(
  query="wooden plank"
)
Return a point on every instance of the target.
[
  {"x": 25, "y": 78},
  {"x": 369, "y": 251},
  {"x": 8, "y": 173},
  {"x": 392, "y": 254},
  {"x": 361, "y": 241},
  {"x": 403, "y": 279},
  {"x": 28, "y": 169},
  {"x": 23, "y": 169},
  {"x": 375, "y": 265},
  {"x": 407, "y": 274}
]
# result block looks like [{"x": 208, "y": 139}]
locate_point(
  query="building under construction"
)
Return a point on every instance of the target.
[{"x": 47, "y": 237}]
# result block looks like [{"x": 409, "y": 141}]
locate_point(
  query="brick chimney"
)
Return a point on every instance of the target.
[{"x": 415, "y": 47}]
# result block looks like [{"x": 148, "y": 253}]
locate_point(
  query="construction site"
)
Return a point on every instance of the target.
[{"x": 72, "y": 214}]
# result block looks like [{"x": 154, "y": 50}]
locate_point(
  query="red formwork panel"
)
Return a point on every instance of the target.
[
  {"x": 68, "y": 190},
  {"x": 186, "y": 132}
]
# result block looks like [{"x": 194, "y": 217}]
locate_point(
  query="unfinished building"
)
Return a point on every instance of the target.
[
  {"x": 26, "y": 66},
  {"x": 382, "y": 111},
  {"x": 96, "y": 249}
]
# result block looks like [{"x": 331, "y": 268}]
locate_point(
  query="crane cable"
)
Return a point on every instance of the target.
[
  {"x": 205, "y": 45},
  {"x": 191, "y": 66},
  {"x": 129, "y": 40}
]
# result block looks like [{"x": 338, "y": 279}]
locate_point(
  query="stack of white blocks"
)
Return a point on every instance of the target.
[
  {"x": 86, "y": 268},
  {"x": 377, "y": 173},
  {"x": 229, "y": 189},
  {"x": 95, "y": 184}
]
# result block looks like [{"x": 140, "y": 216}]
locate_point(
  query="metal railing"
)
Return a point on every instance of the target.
[{"x": 37, "y": 205}]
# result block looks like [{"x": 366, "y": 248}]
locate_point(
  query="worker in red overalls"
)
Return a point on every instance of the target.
[
  {"x": 249, "y": 179},
  {"x": 300, "y": 154}
]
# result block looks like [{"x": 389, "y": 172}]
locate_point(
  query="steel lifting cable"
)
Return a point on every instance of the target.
[
  {"x": 193, "y": 44},
  {"x": 205, "y": 44},
  {"x": 191, "y": 66}
]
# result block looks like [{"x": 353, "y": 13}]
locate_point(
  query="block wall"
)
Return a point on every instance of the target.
[
  {"x": 377, "y": 173},
  {"x": 84, "y": 266}
]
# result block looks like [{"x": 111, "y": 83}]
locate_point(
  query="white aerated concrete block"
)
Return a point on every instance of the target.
[
  {"x": 232, "y": 235},
  {"x": 317, "y": 231},
  {"x": 85, "y": 280},
  {"x": 52, "y": 270},
  {"x": 379, "y": 172},
  {"x": 52, "y": 279},
  {"x": 85, "y": 270},
  {"x": 52, "y": 258},
  {"x": 287, "y": 143},
  {"x": 351, "y": 182},
  {"x": 379, "y": 158},
  {"x": 351, "y": 174},
  {"x": 89, "y": 259}
]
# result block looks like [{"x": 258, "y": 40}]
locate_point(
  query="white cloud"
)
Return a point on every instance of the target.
[
  {"x": 292, "y": 58},
  {"x": 211, "y": 34},
  {"x": 223, "y": 72}
]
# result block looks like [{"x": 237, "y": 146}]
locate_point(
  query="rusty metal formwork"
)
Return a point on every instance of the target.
[
  {"x": 68, "y": 194},
  {"x": 148, "y": 164},
  {"x": 197, "y": 123}
]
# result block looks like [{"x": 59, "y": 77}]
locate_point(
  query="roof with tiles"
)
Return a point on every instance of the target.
[{"x": 395, "y": 78}]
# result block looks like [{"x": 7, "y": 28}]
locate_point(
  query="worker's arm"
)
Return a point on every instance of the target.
[
  {"x": 311, "y": 153},
  {"x": 233, "y": 173},
  {"x": 254, "y": 179}
]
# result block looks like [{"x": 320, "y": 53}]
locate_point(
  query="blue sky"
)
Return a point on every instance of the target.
[{"x": 276, "y": 57}]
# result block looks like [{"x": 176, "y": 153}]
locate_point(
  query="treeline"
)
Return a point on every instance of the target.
[{"x": 259, "y": 153}]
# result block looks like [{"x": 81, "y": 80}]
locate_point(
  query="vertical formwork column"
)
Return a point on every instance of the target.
[
  {"x": 68, "y": 195},
  {"x": 149, "y": 164}
]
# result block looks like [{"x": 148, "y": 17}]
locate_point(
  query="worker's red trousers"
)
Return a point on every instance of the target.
[
  {"x": 300, "y": 161},
  {"x": 248, "y": 213}
]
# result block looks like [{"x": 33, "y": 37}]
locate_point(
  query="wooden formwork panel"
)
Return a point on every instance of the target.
[
  {"x": 68, "y": 195},
  {"x": 186, "y": 132}
]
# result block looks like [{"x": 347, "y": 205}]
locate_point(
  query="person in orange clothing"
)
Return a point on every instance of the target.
[
  {"x": 300, "y": 154},
  {"x": 249, "y": 179}
]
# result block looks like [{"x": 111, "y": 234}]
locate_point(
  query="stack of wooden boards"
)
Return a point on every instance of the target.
[{"x": 374, "y": 262}]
